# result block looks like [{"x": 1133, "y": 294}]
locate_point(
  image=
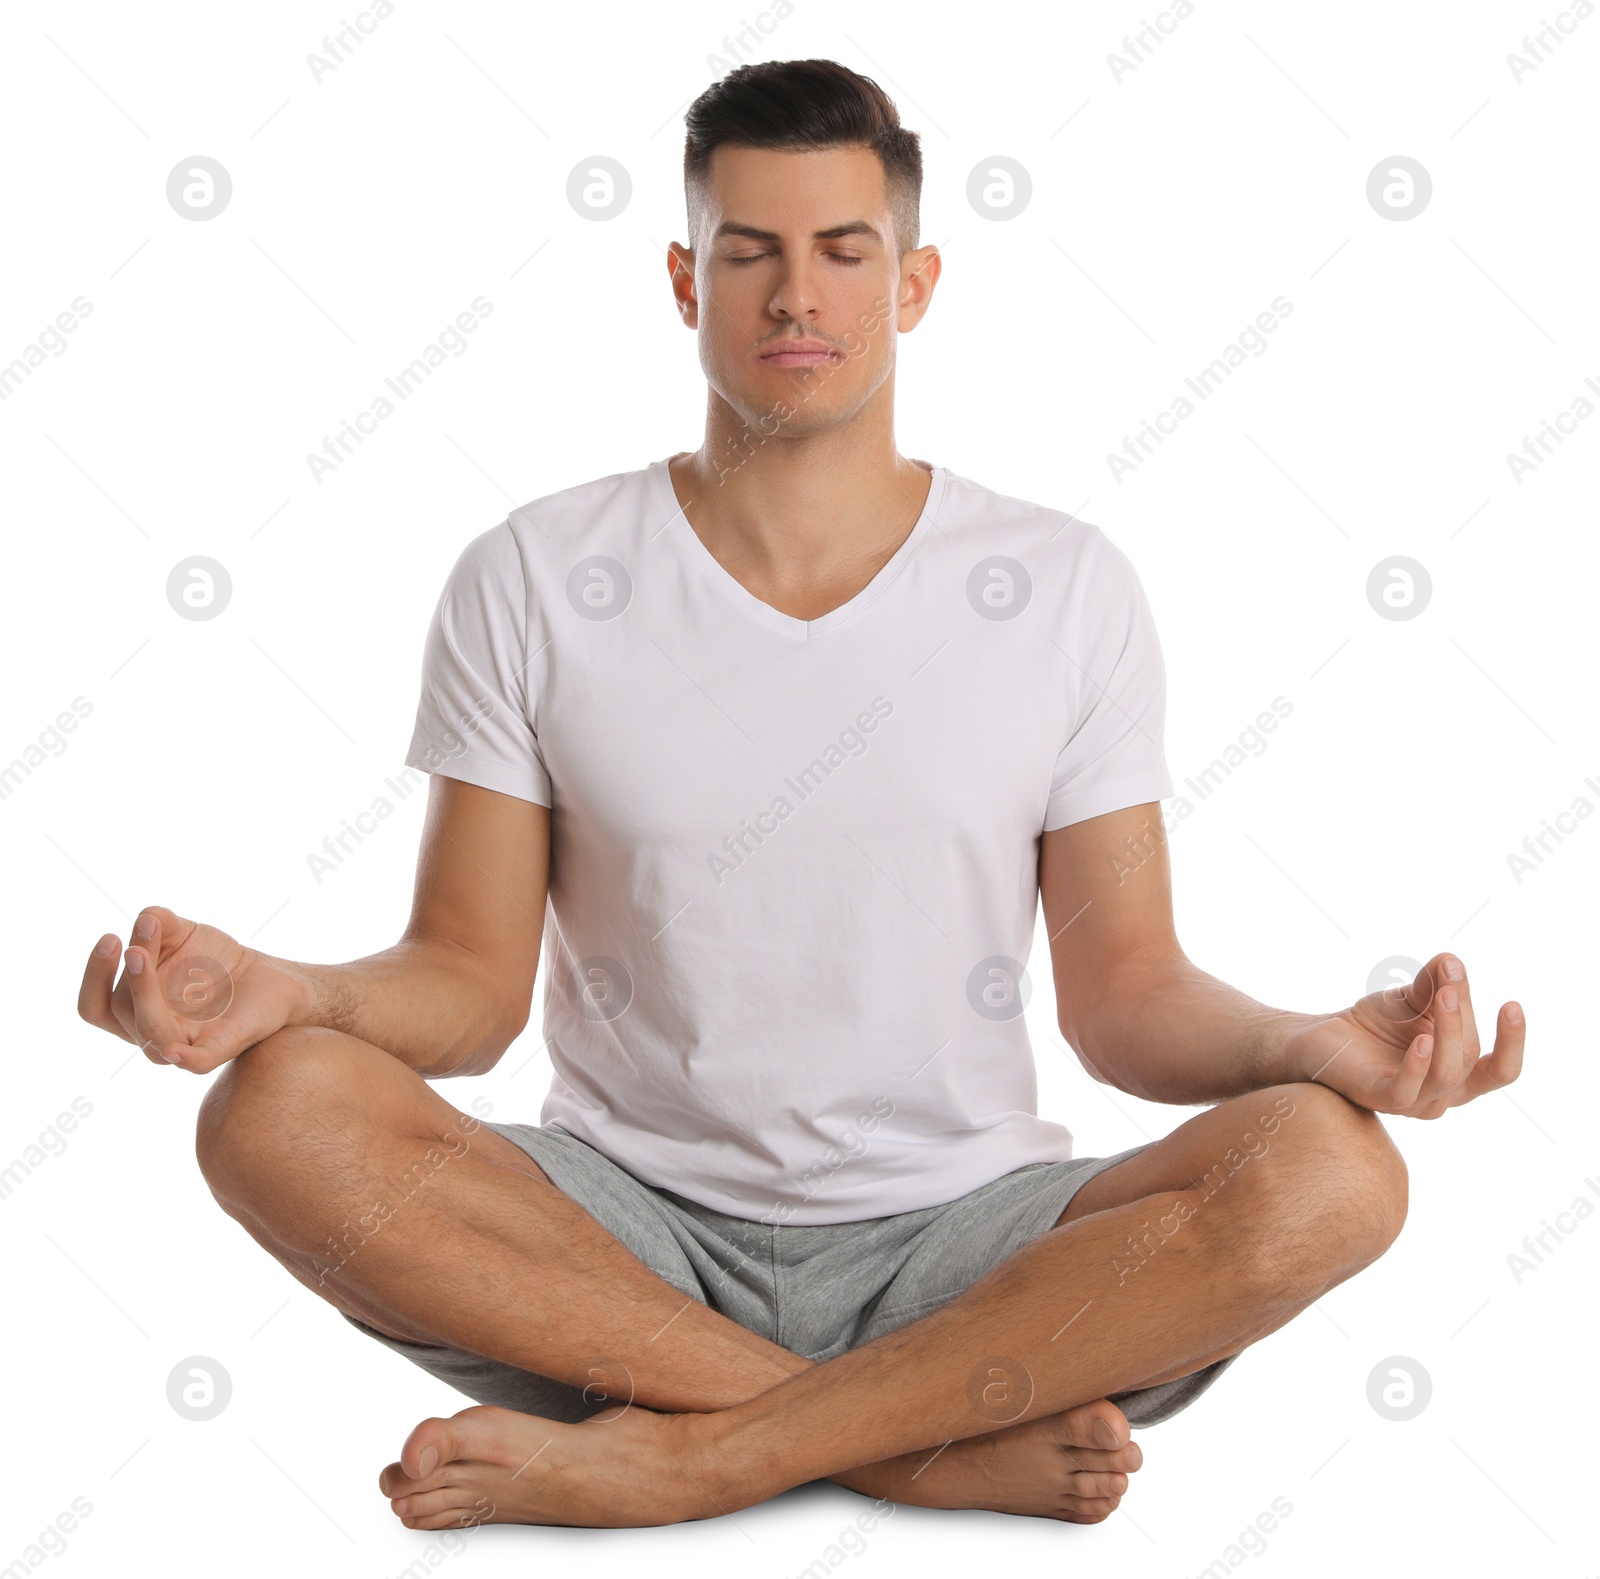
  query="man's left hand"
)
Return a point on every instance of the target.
[{"x": 1411, "y": 1050}]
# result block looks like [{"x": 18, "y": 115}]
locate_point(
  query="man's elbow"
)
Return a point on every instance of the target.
[{"x": 1097, "y": 1071}]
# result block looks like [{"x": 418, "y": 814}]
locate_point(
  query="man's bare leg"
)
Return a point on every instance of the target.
[
  {"x": 1220, "y": 1266},
  {"x": 312, "y": 1132}
]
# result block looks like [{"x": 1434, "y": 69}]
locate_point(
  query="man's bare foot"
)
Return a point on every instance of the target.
[
  {"x": 1071, "y": 1466},
  {"x": 630, "y": 1467},
  {"x": 485, "y": 1465}
]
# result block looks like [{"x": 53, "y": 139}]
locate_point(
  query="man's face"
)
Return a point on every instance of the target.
[{"x": 796, "y": 285}]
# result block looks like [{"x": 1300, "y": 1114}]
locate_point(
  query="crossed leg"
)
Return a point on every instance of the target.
[{"x": 1158, "y": 1272}]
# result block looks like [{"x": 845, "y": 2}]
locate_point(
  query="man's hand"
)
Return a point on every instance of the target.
[
  {"x": 189, "y": 995},
  {"x": 1411, "y": 1050}
]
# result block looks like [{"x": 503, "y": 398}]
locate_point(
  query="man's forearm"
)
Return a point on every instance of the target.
[
  {"x": 429, "y": 1003},
  {"x": 1162, "y": 1029}
]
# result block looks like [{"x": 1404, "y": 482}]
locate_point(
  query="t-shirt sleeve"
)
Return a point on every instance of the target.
[
  {"x": 474, "y": 719},
  {"x": 1113, "y": 756}
]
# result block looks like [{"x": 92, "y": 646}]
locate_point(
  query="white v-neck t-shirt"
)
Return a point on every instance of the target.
[{"x": 794, "y": 863}]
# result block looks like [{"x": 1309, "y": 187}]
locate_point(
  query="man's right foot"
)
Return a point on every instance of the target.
[{"x": 1072, "y": 1466}]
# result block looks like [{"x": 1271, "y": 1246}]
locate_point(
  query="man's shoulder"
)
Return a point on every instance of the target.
[
  {"x": 619, "y": 500},
  {"x": 974, "y": 514}
]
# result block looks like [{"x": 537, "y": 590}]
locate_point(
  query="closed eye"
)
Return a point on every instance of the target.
[{"x": 841, "y": 257}]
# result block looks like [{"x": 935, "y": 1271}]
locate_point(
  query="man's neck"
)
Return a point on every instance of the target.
[{"x": 803, "y": 523}]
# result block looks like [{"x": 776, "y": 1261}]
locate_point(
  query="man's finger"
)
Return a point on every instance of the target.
[
  {"x": 155, "y": 1025},
  {"x": 1455, "y": 972},
  {"x": 1504, "y": 1064},
  {"x": 1405, "y": 1084},
  {"x": 94, "y": 995},
  {"x": 212, "y": 1051},
  {"x": 1425, "y": 984},
  {"x": 1449, "y": 1067}
]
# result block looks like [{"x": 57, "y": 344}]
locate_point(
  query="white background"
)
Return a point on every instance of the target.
[{"x": 1169, "y": 209}]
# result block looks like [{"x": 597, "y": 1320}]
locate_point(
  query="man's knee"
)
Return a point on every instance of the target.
[
  {"x": 273, "y": 1101},
  {"x": 1330, "y": 1176}
]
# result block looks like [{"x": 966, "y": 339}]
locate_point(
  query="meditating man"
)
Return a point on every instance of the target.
[{"x": 771, "y": 751}]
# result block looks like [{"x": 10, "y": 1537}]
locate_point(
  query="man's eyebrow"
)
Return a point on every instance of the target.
[{"x": 856, "y": 227}]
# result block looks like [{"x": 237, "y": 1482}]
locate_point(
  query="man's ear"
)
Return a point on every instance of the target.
[
  {"x": 919, "y": 273},
  {"x": 680, "y": 270}
]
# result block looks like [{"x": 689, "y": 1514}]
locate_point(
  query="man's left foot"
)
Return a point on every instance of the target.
[{"x": 494, "y": 1466}]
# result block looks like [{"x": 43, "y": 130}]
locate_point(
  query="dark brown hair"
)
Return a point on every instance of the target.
[{"x": 801, "y": 104}]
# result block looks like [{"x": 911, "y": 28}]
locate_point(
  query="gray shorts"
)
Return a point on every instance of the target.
[{"x": 814, "y": 1290}]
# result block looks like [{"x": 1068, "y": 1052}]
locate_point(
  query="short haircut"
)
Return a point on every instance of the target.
[{"x": 802, "y": 104}]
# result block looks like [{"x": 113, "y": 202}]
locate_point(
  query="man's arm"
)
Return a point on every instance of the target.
[
  {"x": 455, "y": 991},
  {"x": 448, "y": 998},
  {"x": 1141, "y": 1017}
]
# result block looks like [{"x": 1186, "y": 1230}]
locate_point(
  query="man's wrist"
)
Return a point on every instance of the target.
[
  {"x": 310, "y": 997},
  {"x": 1284, "y": 1055}
]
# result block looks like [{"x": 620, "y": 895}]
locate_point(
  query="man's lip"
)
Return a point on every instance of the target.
[{"x": 799, "y": 353}]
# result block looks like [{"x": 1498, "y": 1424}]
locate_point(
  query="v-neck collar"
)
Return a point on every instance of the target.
[{"x": 776, "y": 619}]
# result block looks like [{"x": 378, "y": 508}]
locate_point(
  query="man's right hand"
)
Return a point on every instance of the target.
[{"x": 189, "y": 994}]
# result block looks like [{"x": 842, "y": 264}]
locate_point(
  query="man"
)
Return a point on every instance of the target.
[{"x": 789, "y": 736}]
